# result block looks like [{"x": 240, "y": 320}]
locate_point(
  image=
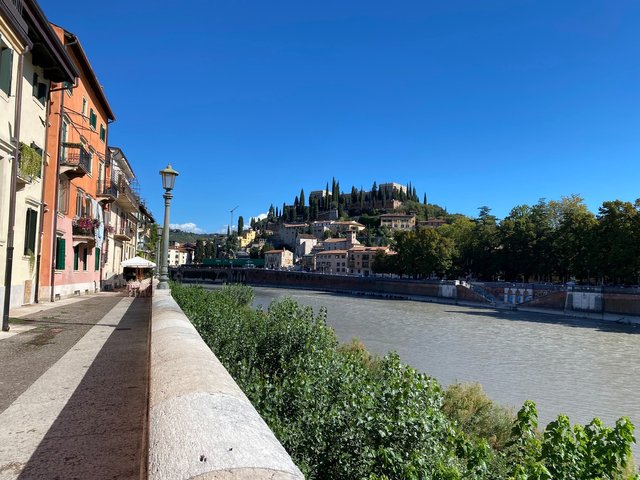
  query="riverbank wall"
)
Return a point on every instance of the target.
[
  {"x": 608, "y": 303},
  {"x": 201, "y": 424}
]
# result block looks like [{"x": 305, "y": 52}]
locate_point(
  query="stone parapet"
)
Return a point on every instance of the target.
[{"x": 201, "y": 425}]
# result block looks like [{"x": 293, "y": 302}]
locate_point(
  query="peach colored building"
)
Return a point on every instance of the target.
[
  {"x": 361, "y": 259},
  {"x": 397, "y": 221},
  {"x": 78, "y": 189}
]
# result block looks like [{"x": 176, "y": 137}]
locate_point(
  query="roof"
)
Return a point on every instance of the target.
[
  {"x": 335, "y": 240},
  {"x": 47, "y": 51},
  {"x": 73, "y": 42},
  {"x": 306, "y": 236},
  {"x": 276, "y": 251},
  {"x": 294, "y": 225},
  {"x": 332, "y": 252},
  {"x": 405, "y": 215}
]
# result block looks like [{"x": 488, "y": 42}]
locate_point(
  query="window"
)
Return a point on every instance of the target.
[
  {"x": 93, "y": 119},
  {"x": 92, "y": 154},
  {"x": 68, "y": 87},
  {"x": 84, "y": 107},
  {"x": 65, "y": 133},
  {"x": 30, "y": 232},
  {"x": 63, "y": 196},
  {"x": 79, "y": 202},
  {"x": 84, "y": 258},
  {"x": 39, "y": 89},
  {"x": 87, "y": 211},
  {"x": 76, "y": 251},
  {"x": 6, "y": 68},
  {"x": 60, "y": 252},
  {"x": 103, "y": 133}
]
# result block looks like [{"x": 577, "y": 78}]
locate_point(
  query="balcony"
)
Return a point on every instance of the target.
[
  {"x": 75, "y": 161},
  {"x": 124, "y": 234},
  {"x": 83, "y": 230},
  {"x": 107, "y": 191},
  {"x": 127, "y": 200}
]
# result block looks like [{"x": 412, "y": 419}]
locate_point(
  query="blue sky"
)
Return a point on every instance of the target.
[{"x": 494, "y": 103}]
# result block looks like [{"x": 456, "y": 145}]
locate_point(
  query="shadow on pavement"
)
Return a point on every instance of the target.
[{"x": 99, "y": 433}]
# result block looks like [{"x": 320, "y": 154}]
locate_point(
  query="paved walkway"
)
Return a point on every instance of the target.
[{"x": 73, "y": 389}]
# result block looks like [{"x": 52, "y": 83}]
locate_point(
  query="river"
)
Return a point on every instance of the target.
[{"x": 581, "y": 368}]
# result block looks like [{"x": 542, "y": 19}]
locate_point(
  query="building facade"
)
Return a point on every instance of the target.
[
  {"x": 278, "y": 259},
  {"x": 395, "y": 221},
  {"x": 32, "y": 63},
  {"x": 75, "y": 225}
]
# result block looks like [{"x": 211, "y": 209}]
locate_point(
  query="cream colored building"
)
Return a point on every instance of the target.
[
  {"x": 395, "y": 221},
  {"x": 361, "y": 259},
  {"x": 332, "y": 262},
  {"x": 278, "y": 259},
  {"x": 25, "y": 95},
  {"x": 122, "y": 220},
  {"x": 178, "y": 255}
]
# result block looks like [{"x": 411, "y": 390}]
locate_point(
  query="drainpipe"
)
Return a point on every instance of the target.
[
  {"x": 12, "y": 192},
  {"x": 106, "y": 235},
  {"x": 43, "y": 205},
  {"x": 54, "y": 212}
]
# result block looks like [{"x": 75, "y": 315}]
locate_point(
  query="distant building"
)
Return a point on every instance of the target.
[
  {"x": 361, "y": 259},
  {"x": 178, "y": 255},
  {"x": 396, "y": 221},
  {"x": 289, "y": 232},
  {"x": 346, "y": 226},
  {"x": 247, "y": 237},
  {"x": 278, "y": 259},
  {"x": 432, "y": 223},
  {"x": 332, "y": 262},
  {"x": 304, "y": 244}
]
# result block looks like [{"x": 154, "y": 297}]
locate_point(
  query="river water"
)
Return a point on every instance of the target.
[{"x": 578, "y": 367}]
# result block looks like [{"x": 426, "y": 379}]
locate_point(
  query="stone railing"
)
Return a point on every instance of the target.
[{"x": 201, "y": 425}]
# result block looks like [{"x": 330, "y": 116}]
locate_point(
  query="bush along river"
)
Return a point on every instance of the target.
[{"x": 343, "y": 413}]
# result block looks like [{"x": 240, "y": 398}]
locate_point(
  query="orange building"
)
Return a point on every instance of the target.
[{"x": 78, "y": 188}]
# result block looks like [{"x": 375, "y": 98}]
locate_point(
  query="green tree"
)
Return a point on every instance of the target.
[
  {"x": 199, "y": 253},
  {"x": 240, "y": 225}
]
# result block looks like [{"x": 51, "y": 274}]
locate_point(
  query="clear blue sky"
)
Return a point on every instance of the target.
[{"x": 475, "y": 102}]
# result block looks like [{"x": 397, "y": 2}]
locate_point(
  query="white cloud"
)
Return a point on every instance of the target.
[
  {"x": 186, "y": 227},
  {"x": 262, "y": 216}
]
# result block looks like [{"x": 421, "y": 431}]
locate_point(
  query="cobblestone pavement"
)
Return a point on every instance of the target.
[{"x": 73, "y": 390}]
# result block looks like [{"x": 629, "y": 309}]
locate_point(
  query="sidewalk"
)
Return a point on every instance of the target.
[{"x": 73, "y": 389}]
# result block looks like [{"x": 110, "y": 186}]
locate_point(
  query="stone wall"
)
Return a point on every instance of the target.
[{"x": 201, "y": 425}]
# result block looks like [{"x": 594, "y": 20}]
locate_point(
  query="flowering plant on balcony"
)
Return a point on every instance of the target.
[
  {"x": 84, "y": 225},
  {"x": 109, "y": 229}
]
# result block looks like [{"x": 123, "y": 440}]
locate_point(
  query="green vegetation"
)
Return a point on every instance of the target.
[
  {"x": 344, "y": 414},
  {"x": 30, "y": 163},
  {"x": 547, "y": 241}
]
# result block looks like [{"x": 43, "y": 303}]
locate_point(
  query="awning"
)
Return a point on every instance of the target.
[{"x": 138, "y": 262}]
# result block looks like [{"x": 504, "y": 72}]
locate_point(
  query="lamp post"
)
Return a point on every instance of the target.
[
  {"x": 168, "y": 180},
  {"x": 158, "y": 250}
]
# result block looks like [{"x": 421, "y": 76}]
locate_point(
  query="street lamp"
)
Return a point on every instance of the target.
[
  {"x": 158, "y": 249},
  {"x": 168, "y": 180}
]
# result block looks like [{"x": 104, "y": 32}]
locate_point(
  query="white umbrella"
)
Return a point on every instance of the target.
[{"x": 138, "y": 262}]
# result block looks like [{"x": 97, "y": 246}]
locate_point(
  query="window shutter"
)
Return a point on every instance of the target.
[
  {"x": 75, "y": 257},
  {"x": 42, "y": 93},
  {"x": 6, "y": 67},
  {"x": 35, "y": 85},
  {"x": 30, "y": 232},
  {"x": 61, "y": 245},
  {"x": 97, "y": 254},
  {"x": 85, "y": 252}
]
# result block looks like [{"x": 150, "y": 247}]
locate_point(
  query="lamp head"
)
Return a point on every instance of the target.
[{"x": 168, "y": 178}]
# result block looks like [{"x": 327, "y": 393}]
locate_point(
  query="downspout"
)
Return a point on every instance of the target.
[
  {"x": 12, "y": 193},
  {"x": 54, "y": 212},
  {"x": 106, "y": 235},
  {"x": 43, "y": 205}
]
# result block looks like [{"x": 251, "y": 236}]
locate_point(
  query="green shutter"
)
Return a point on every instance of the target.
[
  {"x": 85, "y": 252},
  {"x": 75, "y": 257},
  {"x": 97, "y": 254},
  {"x": 30, "y": 232},
  {"x": 34, "y": 85},
  {"x": 6, "y": 67},
  {"x": 61, "y": 246}
]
